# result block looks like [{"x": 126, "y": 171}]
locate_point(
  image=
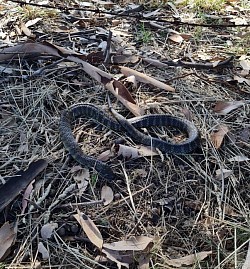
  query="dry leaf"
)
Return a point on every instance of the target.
[
  {"x": 82, "y": 180},
  {"x": 146, "y": 151},
  {"x": 46, "y": 48},
  {"x": 155, "y": 62},
  {"x": 186, "y": 36},
  {"x": 176, "y": 38},
  {"x": 245, "y": 64},
  {"x": 187, "y": 113},
  {"x": 223, "y": 173},
  {"x": 48, "y": 229},
  {"x": 114, "y": 256},
  {"x": 224, "y": 108},
  {"x": 25, "y": 29},
  {"x": 240, "y": 158},
  {"x": 121, "y": 93},
  {"x": 105, "y": 156},
  {"x": 135, "y": 243},
  {"x": 242, "y": 80},
  {"x": 32, "y": 22},
  {"x": 217, "y": 137},
  {"x": 43, "y": 250},
  {"x": 132, "y": 79},
  {"x": 90, "y": 229},
  {"x": 107, "y": 194},
  {"x": 116, "y": 22},
  {"x": 26, "y": 196},
  {"x": 7, "y": 237},
  {"x": 145, "y": 79},
  {"x": 127, "y": 152},
  {"x": 189, "y": 260}
]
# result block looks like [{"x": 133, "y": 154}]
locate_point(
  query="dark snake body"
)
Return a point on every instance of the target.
[{"x": 130, "y": 127}]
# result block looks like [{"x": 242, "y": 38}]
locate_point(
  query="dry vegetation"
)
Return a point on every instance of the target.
[{"x": 196, "y": 204}]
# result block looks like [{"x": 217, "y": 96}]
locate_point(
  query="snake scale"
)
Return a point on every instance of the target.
[{"x": 120, "y": 124}]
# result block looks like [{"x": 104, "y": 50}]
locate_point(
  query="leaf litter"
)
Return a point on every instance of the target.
[{"x": 204, "y": 196}]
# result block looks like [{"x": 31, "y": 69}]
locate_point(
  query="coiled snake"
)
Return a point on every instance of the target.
[{"x": 130, "y": 127}]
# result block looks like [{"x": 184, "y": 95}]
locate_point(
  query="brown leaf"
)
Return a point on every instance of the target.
[
  {"x": 217, "y": 137},
  {"x": 116, "y": 22},
  {"x": 145, "y": 79},
  {"x": 189, "y": 259},
  {"x": 25, "y": 29},
  {"x": 114, "y": 86},
  {"x": 7, "y": 237},
  {"x": 187, "y": 113},
  {"x": 107, "y": 194},
  {"x": 117, "y": 88},
  {"x": 135, "y": 243},
  {"x": 186, "y": 36},
  {"x": 131, "y": 106},
  {"x": 48, "y": 229},
  {"x": 176, "y": 38},
  {"x": 224, "y": 108},
  {"x": 90, "y": 229}
]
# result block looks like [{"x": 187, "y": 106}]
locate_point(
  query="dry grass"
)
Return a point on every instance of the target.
[{"x": 178, "y": 199}]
